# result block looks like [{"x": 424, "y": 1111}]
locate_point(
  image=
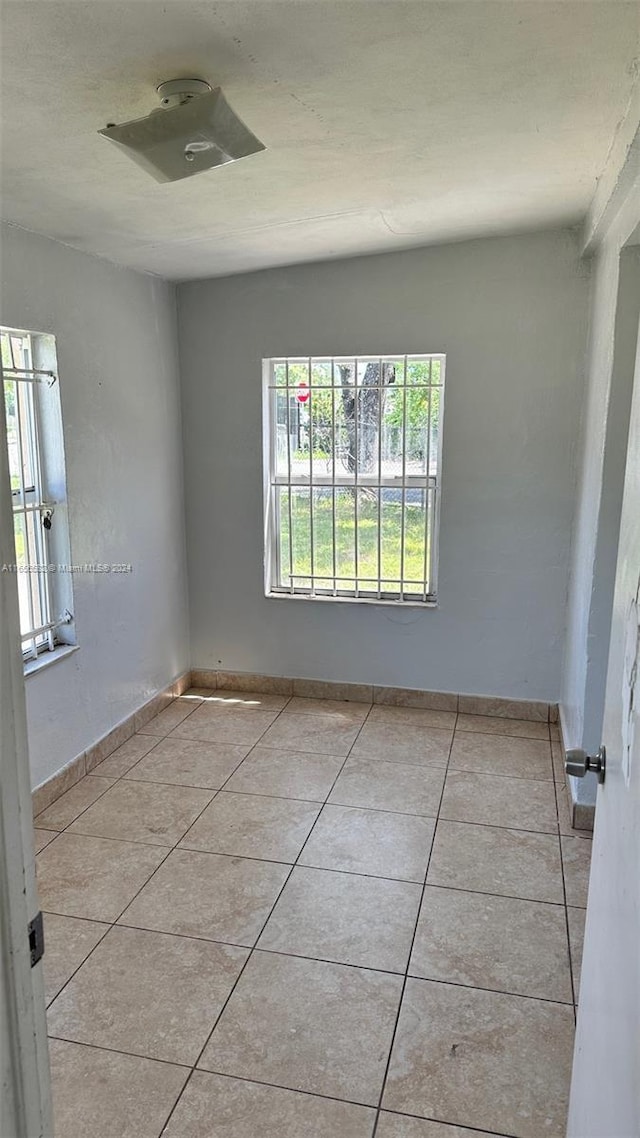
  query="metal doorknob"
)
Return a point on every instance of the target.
[{"x": 578, "y": 762}]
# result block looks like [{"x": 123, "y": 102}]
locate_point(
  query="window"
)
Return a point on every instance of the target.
[
  {"x": 36, "y": 470},
  {"x": 352, "y": 477}
]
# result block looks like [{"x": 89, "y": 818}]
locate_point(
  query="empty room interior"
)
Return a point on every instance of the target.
[{"x": 320, "y": 569}]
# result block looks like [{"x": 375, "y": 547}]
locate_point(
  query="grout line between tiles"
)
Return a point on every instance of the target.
[
  {"x": 441, "y": 1122},
  {"x": 252, "y": 950},
  {"x": 566, "y": 908},
  {"x": 406, "y": 973}
]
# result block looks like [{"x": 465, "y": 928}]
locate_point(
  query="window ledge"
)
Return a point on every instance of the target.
[
  {"x": 432, "y": 604},
  {"x": 48, "y": 658}
]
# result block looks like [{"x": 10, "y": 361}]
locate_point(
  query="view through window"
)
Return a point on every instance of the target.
[
  {"x": 352, "y": 476},
  {"x": 36, "y": 471}
]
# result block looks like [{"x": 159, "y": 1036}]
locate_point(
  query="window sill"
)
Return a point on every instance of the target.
[
  {"x": 47, "y": 658},
  {"x": 432, "y": 604}
]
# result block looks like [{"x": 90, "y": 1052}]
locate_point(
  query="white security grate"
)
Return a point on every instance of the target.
[
  {"x": 31, "y": 511},
  {"x": 352, "y": 476}
]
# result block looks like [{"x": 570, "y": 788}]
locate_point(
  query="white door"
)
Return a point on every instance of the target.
[
  {"x": 25, "y": 1107},
  {"x": 605, "y": 1089}
]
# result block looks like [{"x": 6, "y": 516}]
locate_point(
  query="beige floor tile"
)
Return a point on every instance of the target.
[
  {"x": 401, "y": 1126},
  {"x": 576, "y": 919},
  {"x": 321, "y": 734},
  {"x": 412, "y": 717},
  {"x": 246, "y": 700},
  {"x": 379, "y": 785},
  {"x": 371, "y": 842},
  {"x": 147, "y": 993},
  {"x": 344, "y": 710},
  {"x": 576, "y": 863},
  {"x": 308, "y": 1026},
  {"x": 171, "y": 717},
  {"x": 102, "y": 1094},
  {"x": 93, "y": 877},
  {"x": 208, "y": 895},
  {"x": 286, "y": 774},
  {"x": 494, "y": 800},
  {"x": 68, "y": 942},
  {"x": 126, "y": 756},
  {"x": 363, "y": 921},
  {"x": 41, "y": 838},
  {"x": 403, "y": 743},
  {"x": 482, "y": 1059},
  {"x": 500, "y": 943},
  {"x": 253, "y": 825},
  {"x": 225, "y": 724},
  {"x": 143, "y": 812},
  {"x": 497, "y": 754},
  {"x": 249, "y": 1110},
  {"x": 512, "y": 863},
  {"x": 185, "y": 762},
  {"x": 497, "y": 725},
  {"x": 70, "y": 805}
]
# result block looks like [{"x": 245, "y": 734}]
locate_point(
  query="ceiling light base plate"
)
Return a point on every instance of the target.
[{"x": 177, "y": 91}]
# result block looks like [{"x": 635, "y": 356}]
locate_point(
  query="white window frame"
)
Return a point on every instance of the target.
[
  {"x": 29, "y": 363},
  {"x": 429, "y": 482}
]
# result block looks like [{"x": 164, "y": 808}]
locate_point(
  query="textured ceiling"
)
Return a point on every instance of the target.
[{"x": 389, "y": 124}]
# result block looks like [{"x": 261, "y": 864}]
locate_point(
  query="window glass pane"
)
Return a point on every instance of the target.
[
  {"x": 36, "y": 560},
  {"x": 345, "y": 538},
  {"x": 279, "y": 373},
  {"x": 27, "y": 438},
  {"x": 392, "y": 432},
  {"x": 321, "y": 374},
  {"x": 414, "y": 539},
  {"x": 301, "y": 536},
  {"x": 13, "y": 442},
  {"x": 368, "y": 539},
  {"x": 22, "y": 561}
]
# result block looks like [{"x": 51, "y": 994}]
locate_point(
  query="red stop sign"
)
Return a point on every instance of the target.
[{"x": 303, "y": 393}]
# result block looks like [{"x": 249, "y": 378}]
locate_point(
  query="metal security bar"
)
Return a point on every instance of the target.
[
  {"x": 31, "y": 511},
  {"x": 352, "y": 476}
]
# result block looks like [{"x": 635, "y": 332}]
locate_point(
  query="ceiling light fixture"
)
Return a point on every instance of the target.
[{"x": 192, "y": 130}]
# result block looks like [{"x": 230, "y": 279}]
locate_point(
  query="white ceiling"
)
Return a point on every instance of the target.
[{"x": 388, "y": 124}]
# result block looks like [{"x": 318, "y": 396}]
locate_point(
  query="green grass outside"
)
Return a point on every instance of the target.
[{"x": 367, "y": 562}]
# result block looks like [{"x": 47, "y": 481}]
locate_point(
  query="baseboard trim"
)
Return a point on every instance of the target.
[
  {"x": 581, "y": 814},
  {"x": 68, "y": 776},
  {"x": 212, "y": 679},
  {"x": 536, "y": 710}
]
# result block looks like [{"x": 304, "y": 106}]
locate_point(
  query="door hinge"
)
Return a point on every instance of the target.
[{"x": 36, "y": 939}]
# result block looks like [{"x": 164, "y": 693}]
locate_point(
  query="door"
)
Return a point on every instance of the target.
[
  {"x": 25, "y": 1108},
  {"x": 605, "y": 1088}
]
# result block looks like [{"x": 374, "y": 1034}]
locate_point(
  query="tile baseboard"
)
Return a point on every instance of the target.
[
  {"x": 213, "y": 679},
  {"x": 69, "y": 775},
  {"x": 533, "y": 710},
  {"x": 582, "y": 815}
]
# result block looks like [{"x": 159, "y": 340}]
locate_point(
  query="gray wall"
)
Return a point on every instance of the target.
[
  {"x": 117, "y": 357},
  {"x": 511, "y": 315}
]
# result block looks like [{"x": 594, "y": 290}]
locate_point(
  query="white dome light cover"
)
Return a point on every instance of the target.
[{"x": 173, "y": 143}]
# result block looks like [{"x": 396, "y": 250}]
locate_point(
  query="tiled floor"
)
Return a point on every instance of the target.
[{"x": 311, "y": 919}]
